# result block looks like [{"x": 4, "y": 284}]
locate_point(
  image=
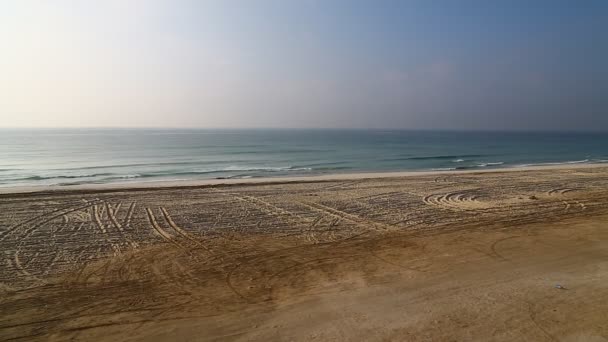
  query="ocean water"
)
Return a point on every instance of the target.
[{"x": 80, "y": 156}]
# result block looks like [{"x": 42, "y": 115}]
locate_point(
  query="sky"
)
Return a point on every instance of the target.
[{"x": 472, "y": 65}]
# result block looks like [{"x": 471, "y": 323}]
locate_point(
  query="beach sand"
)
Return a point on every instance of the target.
[{"x": 519, "y": 254}]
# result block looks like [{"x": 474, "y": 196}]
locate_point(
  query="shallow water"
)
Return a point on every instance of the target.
[{"x": 79, "y": 156}]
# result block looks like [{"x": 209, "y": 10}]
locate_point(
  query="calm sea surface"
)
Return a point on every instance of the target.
[{"x": 77, "y": 156}]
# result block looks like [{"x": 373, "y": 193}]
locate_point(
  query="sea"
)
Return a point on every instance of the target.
[{"x": 59, "y": 157}]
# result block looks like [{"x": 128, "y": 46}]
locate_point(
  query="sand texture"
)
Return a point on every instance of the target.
[{"x": 496, "y": 256}]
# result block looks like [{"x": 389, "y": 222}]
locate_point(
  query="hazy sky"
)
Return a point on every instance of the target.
[{"x": 305, "y": 63}]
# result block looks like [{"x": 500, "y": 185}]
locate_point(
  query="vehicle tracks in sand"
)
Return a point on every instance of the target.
[
  {"x": 342, "y": 215},
  {"x": 97, "y": 219},
  {"x": 304, "y": 224},
  {"x": 251, "y": 263},
  {"x": 127, "y": 220},
  {"x": 256, "y": 264},
  {"x": 160, "y": 231},
  {"x": 178, "y": 236},
  {"x": 342, "y": 185},
  {"x": 560, "y": 191},
  {"x": 98, "y": 215},
  {"x": 532, "y": 313},
  {"x": 40, "y": 221},
  {"x": 22, "y": 270},
  {"x": 494, "y": 246},
  {"x": 182, "y": 232},
  {"x": 112, "y": 215},
  {"x": 466, "y": 200},
  {"x": 272, "y": 209}
]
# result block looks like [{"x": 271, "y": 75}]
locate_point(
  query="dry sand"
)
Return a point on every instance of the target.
[{"x": 467, "y": 256}]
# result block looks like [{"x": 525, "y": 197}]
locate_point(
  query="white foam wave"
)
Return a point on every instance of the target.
[
  {"x": 268, "y": 169},
  {"x": 490, "y": 164},
  {"x": 557, "y": 163},
  {"x": 130, "y": 176}
]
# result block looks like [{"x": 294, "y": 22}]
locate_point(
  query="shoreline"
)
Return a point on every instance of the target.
[{"x": 170, "y": 184}]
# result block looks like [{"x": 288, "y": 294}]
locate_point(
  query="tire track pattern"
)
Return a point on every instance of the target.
[{"x": 94, "y": 238}]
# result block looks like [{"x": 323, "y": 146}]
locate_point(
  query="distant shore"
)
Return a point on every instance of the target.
[{"x": 142, "y": 185}]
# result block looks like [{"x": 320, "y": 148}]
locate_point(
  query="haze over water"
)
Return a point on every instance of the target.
[{"x": 80, "y": 156}]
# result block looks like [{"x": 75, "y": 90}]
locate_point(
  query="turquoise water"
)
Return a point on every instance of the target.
[{"x": 79, "y": 156}]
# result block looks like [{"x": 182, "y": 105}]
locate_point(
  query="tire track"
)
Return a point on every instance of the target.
[
  {"x": 161, "y": 232},
  {"x": 44, "y": 218},
  {"x": 532, "y": 314},
  {"x": 56, "y": 257},
  {"x": 359, "y": 221},
  {"x": 341, "y": 185},
  {"x": 560, "y": 191},
  {"x": 97, "y": 220},
  {"x": 127, "y": 220},
  {"x": 112, "y": 217},
  {"x": 180, "y": 230},
  {"x": 29, "y": 231},
  {"x": 117, "y": 225},
  {"x": 451, "y": 200},
  {"x": 380, "y": 196},
  {"x": 117, "y": 208},
  {"x": 98, "y": 213},
  {"x": 156, "y": 227},
  {"x": 19, "y": 266},
  {"x": 495, "y": 244},
  {"x": 273, "y": 208}
]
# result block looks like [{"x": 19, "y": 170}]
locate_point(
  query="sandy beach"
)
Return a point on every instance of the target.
[{"x": 502, "y": 255}]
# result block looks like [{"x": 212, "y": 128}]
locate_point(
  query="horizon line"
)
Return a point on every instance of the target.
[{"x": 304, "y": 128}]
